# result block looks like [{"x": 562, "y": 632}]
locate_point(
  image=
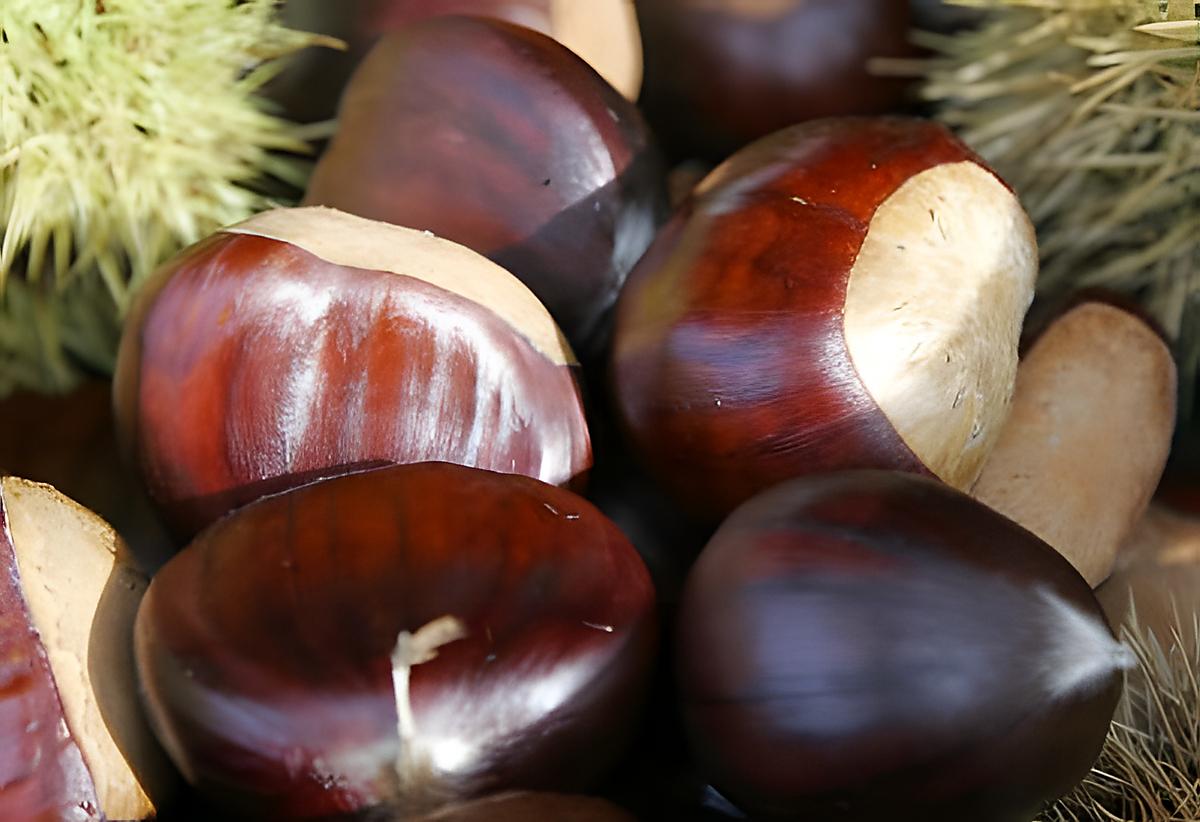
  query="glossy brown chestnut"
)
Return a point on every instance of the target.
[
  {"x": 306, "y": 343},
  {"x": 74, "y": 744},
  {"x": 721, "y": 73},
  {"x": 1088, "y": 435},
  {"x": 843, "y": 294},
  {"x": 876, "y": 645},
  {"x": 499, "y": 138},
  {"x": 602, "y": 32},
  {"x": 413, "y": 636}
]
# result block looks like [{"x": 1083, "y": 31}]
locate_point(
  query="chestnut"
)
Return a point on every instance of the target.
[
  {"x": 876, "y": 645},
  {"x": 499, "y": 138},
  {"x": 69, "y": 441},
  {"x": 74, "y": 743},
  {"x": 305, "y": 343},
  {"x": 603, "y": 32},
  {"x": 522, "y": 806},
  {"x": 405, "y": 637},
  {"x": 722, "y": 73},
  {"x": 843, "y": 294},
  {"x": 1087, "y": 438}
]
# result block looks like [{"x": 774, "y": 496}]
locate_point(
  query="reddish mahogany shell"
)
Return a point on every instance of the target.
[
  {"x": 264, "y": 646},
  {"x": 501, "y": 139},
  {"x": 721, "y": 73},
  {"x": 42, "y": 772},
  {"x": 250, "y": 366},
  {"x": 729, "y": 363}
]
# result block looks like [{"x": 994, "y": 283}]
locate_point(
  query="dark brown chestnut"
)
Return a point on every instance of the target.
[
  {"x": 876, "y": 645},
  {"x": 306, "y": 343},
  {"x": 843, "y": 294},
  {"x": 602, "y": 32},
  {"x": 74, "y": 744},
  {"x": 409, "y": 636},
  {"x": 721, "y": 73},
  {"x": 499, "y": 138}
]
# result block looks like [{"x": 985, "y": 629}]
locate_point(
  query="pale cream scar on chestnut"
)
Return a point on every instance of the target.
[
  {"x": 355, "y": 242},
  {"x": 934, "y": 308},
  {"x": 68, "y": 559},
  {"x": 604, "y": 33}
]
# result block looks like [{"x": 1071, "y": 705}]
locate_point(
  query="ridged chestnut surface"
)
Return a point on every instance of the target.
[
  {"x": 721, "y": 73},
  {"x": 843, "y": 294},
  {"x": 268, "y": 648},
  {"x": 875, "y": 645},
  {"x": 499, "y": 138},
  {"x": 74, "y": 744},
  {"x": 306, "y": 343}
]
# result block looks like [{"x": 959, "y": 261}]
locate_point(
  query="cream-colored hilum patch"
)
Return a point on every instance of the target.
[{"x": 933, "y": 314}]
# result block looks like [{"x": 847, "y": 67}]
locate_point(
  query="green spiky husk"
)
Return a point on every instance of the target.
[
  {"x": 1149, "y": 769},
  {"x": 130, "y": 129},
  {"x": 1091, "y": 110}
]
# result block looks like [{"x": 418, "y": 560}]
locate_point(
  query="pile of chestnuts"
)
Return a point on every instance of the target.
[{"x": 501, "y": 485}]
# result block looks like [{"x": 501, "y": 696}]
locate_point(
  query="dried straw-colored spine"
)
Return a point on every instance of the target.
[
  {"x": 1149, "y": 770},
  {"x": 128, "y": 129},
  {"x": 1091, "y": 110}
]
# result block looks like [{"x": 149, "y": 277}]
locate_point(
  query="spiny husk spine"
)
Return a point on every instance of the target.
[
  {"x": 1089, "y": 108},
  {"x": 128, "y": 129}
]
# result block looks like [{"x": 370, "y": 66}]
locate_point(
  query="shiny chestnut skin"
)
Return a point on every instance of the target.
[
  {"x": 722, "y": 73},
  {"x": 74, "y": 743},
  {"x": 846, "y": 293},
  {"x": 875, "y": 645},
  {"x": 264, "y": 647},
  {"x": 499, "y": 138},
  {"x": 306, "y": 343},
  {"x": 604, "y": 32}
]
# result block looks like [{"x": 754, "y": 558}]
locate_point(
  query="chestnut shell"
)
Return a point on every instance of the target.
[
  {"x": 722, "y": 73},
  {"x": 728, "y": 364},
  {"x": 264, "y": 646},
  {"x": 876, "y": 645},
  {"x": 249, "y": 366},
  {"x": 501, "y": 139}
]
